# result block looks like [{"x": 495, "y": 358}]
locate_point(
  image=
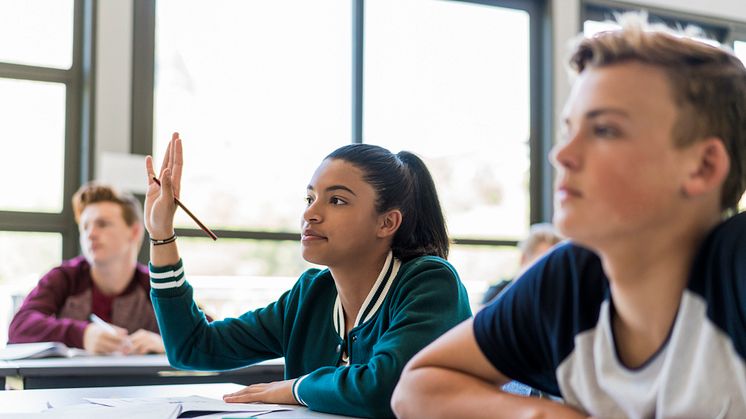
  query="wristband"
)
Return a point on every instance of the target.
[{"x": 157, "y": 242}]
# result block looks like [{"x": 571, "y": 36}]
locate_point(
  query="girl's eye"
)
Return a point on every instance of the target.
[
  {"x": 337, "y": 201},
  {"x": 309, "y": 200}
]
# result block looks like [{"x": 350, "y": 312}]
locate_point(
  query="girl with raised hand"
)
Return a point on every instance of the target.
[{"x": 374, "y": 220}]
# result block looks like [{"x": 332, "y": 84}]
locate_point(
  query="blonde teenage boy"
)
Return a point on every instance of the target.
[{"x": 643, "y": 313}]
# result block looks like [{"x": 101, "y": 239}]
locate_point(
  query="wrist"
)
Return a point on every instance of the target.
[{"x": 166, "y": 240}]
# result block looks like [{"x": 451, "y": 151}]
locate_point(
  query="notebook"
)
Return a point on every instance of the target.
[{"x": 35, "y": 350}]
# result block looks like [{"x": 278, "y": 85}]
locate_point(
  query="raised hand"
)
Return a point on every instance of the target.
[{"x": 159, "y": 201}]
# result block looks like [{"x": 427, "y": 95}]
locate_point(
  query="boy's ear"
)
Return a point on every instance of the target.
[
  {"x": 137, "y": 230},
  {"x": 389, "y": 223},
  {"x": 711, "y": 167}
]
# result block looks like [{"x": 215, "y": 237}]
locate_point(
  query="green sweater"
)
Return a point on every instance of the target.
[{"x": 409, "y": 306}]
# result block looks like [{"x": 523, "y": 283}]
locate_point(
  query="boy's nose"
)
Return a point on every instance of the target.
[{"x": 565, "y": 155}]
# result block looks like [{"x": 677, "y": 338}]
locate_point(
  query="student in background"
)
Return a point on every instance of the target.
[
  {"x": 541, "y": 237},
  {"x": 106, "y": 281},
  {"x": 643, "y": 313},
  {"x": 374, "y": 219}
]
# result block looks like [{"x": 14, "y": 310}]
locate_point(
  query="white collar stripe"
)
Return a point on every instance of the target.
[
  {"x": 339, "y": 318},
  {"x": 374, "y": 299},
  {"x": 385, "y": 292}
]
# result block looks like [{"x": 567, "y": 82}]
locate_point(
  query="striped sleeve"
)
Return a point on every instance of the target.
[
  {"x": 167, "y": 279},
  {"x": 297, "y": 397}
]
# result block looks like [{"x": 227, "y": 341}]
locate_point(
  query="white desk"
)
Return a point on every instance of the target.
[
  {"x": 35, "y": 401},
  {"x": 105, "y": 371}
]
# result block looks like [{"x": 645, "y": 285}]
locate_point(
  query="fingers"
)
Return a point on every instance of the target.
[
  {"x": 145, "y": 341},
  {"x": 166, "y": 159},
  {"x": 139, "y": 348},
  {"x": 252, "y": 393},
  {"x": 177, "y": 162},
  {"x": 149, "y": 169},
  {"x": 108, "y": 343},
  {"x": 167, "y": 187},
  {"x": 254, "y": 388}
]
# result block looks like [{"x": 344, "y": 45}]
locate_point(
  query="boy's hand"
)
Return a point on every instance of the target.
[
  {"x": 145, "y": 342},
  {"x": 276, "y": 392},
  {"x": 98, "y": 340}
]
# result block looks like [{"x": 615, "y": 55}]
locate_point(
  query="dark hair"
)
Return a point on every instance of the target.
[
  {"x": 92, "y": 193},
  {"x": 402, "y": 181}
]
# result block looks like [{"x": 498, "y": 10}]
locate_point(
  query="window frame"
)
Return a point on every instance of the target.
[
  {"x": 79, "y": 95},
  {"x": 540, "y": 138},
  {"x": 725, "y": 31}
]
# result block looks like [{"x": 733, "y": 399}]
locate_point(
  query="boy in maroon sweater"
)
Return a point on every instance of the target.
[{"x": 106, "y": 281}]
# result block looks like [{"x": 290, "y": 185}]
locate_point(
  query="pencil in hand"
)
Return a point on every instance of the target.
[{"x": 189, "y": 213}]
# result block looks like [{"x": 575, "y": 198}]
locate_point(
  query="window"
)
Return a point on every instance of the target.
[
  {"x": 41, "y": 96},
  {"x": 602, "y": 15},
  {"x": 426, "y": 89},
  {"x": 261, "y": 91},
  {"x": 26, "y": 257},
  {"x": 739, "y": 48}
]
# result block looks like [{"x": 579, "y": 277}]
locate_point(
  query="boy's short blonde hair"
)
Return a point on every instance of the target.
[
  {"x": 541, "y": 233},
  {"x": 92, "y": 193},
  {"x": 708, "y": 85}
]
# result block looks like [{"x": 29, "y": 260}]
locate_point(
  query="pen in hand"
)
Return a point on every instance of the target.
[
  {"x": 189, "y": 213},
  {"x": 99, "y": 322},
  {"x": 110, "y": 330}
]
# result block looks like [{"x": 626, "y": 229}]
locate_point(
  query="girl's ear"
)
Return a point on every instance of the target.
[
  {"x": 389, "y": 223},
  {"x": 710, "y": 167}
]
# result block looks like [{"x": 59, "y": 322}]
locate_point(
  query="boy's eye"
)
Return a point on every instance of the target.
[{"x": 606, "y": 131}]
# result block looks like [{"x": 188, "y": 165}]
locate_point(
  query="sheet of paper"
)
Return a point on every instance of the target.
[
  {"x": 87, "y": 410},
  {"x": 192, "y": 404}
]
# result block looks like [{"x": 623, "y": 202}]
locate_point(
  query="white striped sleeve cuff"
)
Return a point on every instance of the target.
[
  {"x": 165, "y": 277},
  {"x": 296, "y": 384}
]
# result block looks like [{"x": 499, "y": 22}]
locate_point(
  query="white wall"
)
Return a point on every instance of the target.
[
  {"x": 114, "y": 58},
  {"x": 113, "y": 109}
]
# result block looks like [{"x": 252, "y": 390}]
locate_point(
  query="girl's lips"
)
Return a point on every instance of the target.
[{"x": 310, "y": 235}]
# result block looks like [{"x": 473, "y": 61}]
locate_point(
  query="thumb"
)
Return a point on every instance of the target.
[{"x": 167, "y": 189}]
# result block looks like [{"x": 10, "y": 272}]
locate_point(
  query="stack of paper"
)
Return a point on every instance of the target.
[
  {"x": 38, "y": 350},
  {"x": 155, "y": 407}
]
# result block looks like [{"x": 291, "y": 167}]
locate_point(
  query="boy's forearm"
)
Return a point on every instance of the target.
[{"x": 441, "y": 393}]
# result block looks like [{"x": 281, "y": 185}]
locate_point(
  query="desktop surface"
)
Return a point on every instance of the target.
[
  {"x": 105, "y": 371},
  {"x": 35, "y": 401}
]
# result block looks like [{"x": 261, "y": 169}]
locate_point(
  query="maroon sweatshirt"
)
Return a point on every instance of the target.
[{"x": 57, "y": 310}]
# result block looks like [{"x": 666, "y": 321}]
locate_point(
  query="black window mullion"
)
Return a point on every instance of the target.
[
  {"x": 358, "y": 43},
  {"x": 34, "y": 73},
  {"x": 33, "y": 221}
]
